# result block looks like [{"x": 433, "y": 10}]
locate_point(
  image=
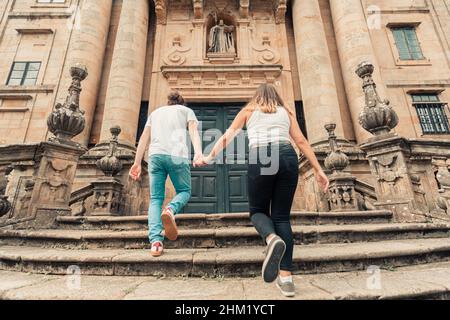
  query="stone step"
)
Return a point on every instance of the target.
[
  {"x": 221, "y": 237},
  {"x": 240, "y": 262},
  {"x": 430, "y": 281},
  {"x": 199, "y": 221}
]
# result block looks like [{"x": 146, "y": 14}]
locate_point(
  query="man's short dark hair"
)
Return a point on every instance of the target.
[{"x": 175, "y": 98}]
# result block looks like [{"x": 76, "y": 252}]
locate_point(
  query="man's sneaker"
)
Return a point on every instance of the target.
[
  {"x": 275, "y": 252},
  {"x": 287, "y": 288},
  {"x": 170, "y": 226},
  {"x": 157, "y": 249}
]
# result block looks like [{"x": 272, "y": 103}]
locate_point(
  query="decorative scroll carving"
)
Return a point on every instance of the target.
[
  {"x": 377, "y": 117},
  {"x": 198, "y": 9},
  {"x": 268, "y": 54},
  {"x": 161, "y": 11},
  {"x": 280, "y": 11},
  {"x": 55, "y": 188},
  {"x": 67, "y": 120},
  {"x": 175, "y": 56}
]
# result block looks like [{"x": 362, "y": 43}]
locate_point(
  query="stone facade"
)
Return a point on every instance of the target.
[{"x": 137, "y": 50}]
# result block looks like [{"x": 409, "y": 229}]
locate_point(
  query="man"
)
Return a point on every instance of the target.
[{"x": 168, "y": 156}]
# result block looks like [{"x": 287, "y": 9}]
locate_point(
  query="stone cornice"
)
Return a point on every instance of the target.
[
  {"x": 21, "y": 90},
  {"x": 418, "y": 83},
  {"x": 221, "y": 77},
  {"x": 39, "y": 15}
]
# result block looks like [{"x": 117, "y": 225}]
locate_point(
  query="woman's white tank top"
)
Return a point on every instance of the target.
[{"x": 268, "y": 128}]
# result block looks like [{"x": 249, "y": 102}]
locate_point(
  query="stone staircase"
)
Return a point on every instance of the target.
[{"x": 222, "y": 245}]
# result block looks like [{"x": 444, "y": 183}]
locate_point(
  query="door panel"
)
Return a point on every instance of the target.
[{"x": 221, "y": 187}]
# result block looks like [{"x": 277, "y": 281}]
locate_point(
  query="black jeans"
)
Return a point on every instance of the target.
[{"x": 272, "y": 182}]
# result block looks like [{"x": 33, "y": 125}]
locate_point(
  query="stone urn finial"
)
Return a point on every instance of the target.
[
  {"x": 5, "y": 205},
  {"x": 110, "y": 164},
  {"x": 336, "y": 160},
  {"x": 377, "y": 117},
  {"x": 67, "y": 120}
]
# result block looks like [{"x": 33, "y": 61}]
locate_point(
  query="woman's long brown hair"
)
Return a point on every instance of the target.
[{"x": 267, "y": 100}]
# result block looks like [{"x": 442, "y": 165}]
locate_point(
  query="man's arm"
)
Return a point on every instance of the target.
[
  {"x": 196, "y": 141},
  {"x": 136, "y": 169}
]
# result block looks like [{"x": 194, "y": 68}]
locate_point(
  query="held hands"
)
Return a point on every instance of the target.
[
  {"x": 201, "y": 161},
  {"x": 322, "y": 180}
]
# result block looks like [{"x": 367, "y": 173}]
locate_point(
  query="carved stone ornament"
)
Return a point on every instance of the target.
[
  {"x": 244, "y": 7},
  {"x": 110, "y": 164},
  {"x": 280, "y": 11},
  {"x": 443, "y": 177},
  {"x": 198, "y": 9},
  {"x": 336, "y": 161},
  {"x": 268, "y": 54},
  {"x": 377, "y": 117},
  {"x": 67, "y": 120},
  {"x": 175, "y": 56},
  {"x": 161, "y": 11},
  {"x": 5, "y": 205}
]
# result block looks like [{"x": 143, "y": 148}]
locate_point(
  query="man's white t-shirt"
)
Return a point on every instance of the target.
[{"x": 169, "y": 127}]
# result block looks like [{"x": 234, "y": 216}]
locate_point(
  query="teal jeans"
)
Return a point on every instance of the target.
[{"x": 179, "y": 171}]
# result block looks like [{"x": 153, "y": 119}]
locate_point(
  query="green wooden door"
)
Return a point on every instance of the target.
[{"x": 221, "y": 187}]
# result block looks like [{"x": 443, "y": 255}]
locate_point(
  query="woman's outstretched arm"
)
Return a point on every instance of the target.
[{"x": 307, "y": 150}]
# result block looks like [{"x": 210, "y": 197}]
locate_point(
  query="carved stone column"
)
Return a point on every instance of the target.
[
  {"x": 398, "y": 188},
  {"x": 354, "y": 45},
  {"x": 124, "y": 93},
  {"x": 87, "y": 47},
  {"x": 108, "y": 190},
  {"x": 342, "y": 194},
  {"x": 318, "y": 86}
]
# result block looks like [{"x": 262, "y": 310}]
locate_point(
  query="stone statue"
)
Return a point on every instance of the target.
[{"x": 221, "y": 39}]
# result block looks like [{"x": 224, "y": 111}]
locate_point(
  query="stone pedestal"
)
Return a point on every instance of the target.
[
  {"x": 343, "y": 196},
  {"x": 397, "y": 187},
  {"x": 107, "y": 197},
  {"x": 53, "y": 179},
  {"x": 108, "y": 190}
]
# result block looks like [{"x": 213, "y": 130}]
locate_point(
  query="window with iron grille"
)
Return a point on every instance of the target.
[
  {"x": 431, "y": 113},
  {"x": 407, "y": 43},
  {"x": 24, "y": 73}
]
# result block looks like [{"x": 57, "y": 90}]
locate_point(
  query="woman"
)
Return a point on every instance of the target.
[{"x": 272, "y": 184}]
